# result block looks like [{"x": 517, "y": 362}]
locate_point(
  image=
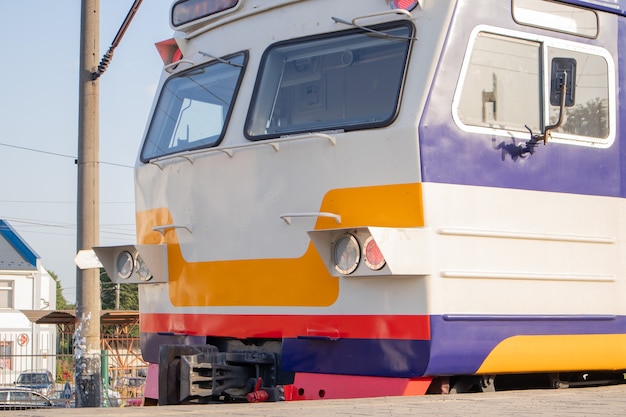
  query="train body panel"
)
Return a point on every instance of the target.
[{"x": 375, "y": 193}]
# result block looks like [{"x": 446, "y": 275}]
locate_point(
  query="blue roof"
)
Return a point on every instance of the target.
[{"x": 15, "y": 254}]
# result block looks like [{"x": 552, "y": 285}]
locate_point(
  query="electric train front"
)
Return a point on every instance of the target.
[{"x": 239, "y": 279}]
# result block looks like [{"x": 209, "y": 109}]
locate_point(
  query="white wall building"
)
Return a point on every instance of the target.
[{"x": 25, "y": 285}]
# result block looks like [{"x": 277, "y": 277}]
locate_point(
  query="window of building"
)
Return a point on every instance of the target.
[
  {"x": 343, "y": 82},
  {"x": 505, "y": 89},
  {"x": 6, "y": 353},
  {"x": 193, "y": 108},
  {"x": 6, "y": 294}
]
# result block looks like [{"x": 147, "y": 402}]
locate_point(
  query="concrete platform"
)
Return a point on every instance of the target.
[{"x": 596, "y": 401}]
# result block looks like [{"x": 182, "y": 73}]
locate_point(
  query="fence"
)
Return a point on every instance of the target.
[{"x": 48, "y": 348}]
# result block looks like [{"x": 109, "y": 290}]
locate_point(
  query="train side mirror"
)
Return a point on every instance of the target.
[
  {"x": 563, "y": 74},
  {"x": 562, "y": 94}
]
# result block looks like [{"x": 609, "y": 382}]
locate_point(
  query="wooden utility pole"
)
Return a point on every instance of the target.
[{"x": 87, "y": 336}]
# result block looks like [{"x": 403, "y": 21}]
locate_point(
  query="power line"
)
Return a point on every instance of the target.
[
  {"x": 59, "y": 202},
  {"x": 60, "y": 155},
  {"x": 109, "y": 230}
]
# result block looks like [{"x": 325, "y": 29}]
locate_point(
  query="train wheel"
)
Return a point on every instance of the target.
[
  {"x": 169, "y": 386},
  {"x": 467, "y": 384}
]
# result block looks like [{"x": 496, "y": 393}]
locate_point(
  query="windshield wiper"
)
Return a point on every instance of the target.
[{"x": 222, "y": 60}]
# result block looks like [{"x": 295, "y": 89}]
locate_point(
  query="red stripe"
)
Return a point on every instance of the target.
[
  {"x": 285, "y": 326},
  {"x": 331, "y": 387}
]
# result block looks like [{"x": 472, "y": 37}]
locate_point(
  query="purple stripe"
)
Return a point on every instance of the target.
[
  {"x": 621, "y": 121},
  {"x": 461, "y": 343},
  {"x": 372, "y": 357}
]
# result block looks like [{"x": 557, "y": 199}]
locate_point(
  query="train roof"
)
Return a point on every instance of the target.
[{"x": 613, "y": 6}]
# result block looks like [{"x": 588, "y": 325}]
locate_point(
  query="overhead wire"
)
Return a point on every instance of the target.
[{"x": 60, "y": 154}]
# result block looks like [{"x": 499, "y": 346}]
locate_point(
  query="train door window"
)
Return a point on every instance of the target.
[
  {"x": 342, "y": 82},
  {"x": 589, "y": 117},
  {"x": 502, "y": 84},
  {"x": 504, "y": 89},
  {"x": 193, "y": 108}
]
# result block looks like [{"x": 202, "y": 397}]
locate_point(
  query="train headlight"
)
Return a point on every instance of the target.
[
  {"x": 372, "y": 255},
  {"x": 346, "y": 254},
  {"x": 142, "y": 270},
  {"x": 132, "y": 264},
  {"x": 124, "y": 265},
  {"x": 404, "y": 4}
]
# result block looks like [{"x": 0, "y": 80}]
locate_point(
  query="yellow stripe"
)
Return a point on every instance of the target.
[
  {"x": 557, "y": 353},
  {"x": 280, "y": 282}
]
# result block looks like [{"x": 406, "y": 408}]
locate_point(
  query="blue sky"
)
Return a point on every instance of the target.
[{"x": 39, "y": 121}]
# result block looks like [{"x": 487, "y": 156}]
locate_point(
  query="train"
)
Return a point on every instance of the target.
[{"x": 345, "y": 199}]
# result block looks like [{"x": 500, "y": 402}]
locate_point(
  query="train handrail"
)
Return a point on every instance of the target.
[
  {"x": 169, "y": 68},
  {"x": 288, "y": 216},
  {"x": 162, "y": 229},
  {"x": 274, "y": 143},
  {"x": 397, "y": 12}
]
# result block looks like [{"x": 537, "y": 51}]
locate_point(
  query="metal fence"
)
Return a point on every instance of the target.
[{"x": 123, "y": 370}]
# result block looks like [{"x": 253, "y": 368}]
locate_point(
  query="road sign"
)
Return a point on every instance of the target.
[
  {"x": 22, "y": 339},
  {"x": 67, "y": 394}
]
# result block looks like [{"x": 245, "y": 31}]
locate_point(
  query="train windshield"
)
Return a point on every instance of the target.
[
  {"x": 193, "y": 108},
  {"x": 342, "y": 82}
]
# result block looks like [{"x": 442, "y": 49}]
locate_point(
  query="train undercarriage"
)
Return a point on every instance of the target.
[{"x": 233, "y": 371}]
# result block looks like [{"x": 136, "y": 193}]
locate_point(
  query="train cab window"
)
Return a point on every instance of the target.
[
  {"x": 343, "y": 82},
  {"x": 504, "y": 77},
  {"x": 193, "y": 108}
]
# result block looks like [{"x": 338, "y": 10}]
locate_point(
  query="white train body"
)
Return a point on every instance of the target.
[{"x": 283, "y": 126}]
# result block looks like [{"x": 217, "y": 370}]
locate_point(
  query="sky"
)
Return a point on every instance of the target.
[{"x": 39, "y": 121}]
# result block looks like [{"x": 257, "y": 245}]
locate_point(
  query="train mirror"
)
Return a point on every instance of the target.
[
  {"x": 562, "y": 81},
  {"x": 562, "y": 94}
]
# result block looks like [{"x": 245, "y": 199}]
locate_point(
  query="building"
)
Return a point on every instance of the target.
[{"x": 25, "y": 285}]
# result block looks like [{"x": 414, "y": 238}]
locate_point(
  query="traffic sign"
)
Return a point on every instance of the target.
[{"x": 22, "y": 339}]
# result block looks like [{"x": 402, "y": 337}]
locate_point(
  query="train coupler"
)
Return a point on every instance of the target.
[{"x": 207, "y": 375}]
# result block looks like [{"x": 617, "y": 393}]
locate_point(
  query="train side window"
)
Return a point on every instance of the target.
[
  {"x": 556, "y": 16},
  {"x": 504, "y": 89},
  {"x": 343, "y": 82},
  {"x": 193, "y": 108}
]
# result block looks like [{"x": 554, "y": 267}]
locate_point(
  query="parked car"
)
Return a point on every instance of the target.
[
  {"x": 39, "y": 381},
  {"x": 22, "y": 399}
]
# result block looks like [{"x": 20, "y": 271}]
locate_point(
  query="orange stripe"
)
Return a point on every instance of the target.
[
  {"x": 280, "y": 282},
  {"x": 551, "y": 353}
]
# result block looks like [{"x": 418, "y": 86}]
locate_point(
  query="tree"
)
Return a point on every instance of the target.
[
  {"x": 62, "y": 303},
  {"x": 128, "y": 294},
  {"x": 588, "y": 119}
]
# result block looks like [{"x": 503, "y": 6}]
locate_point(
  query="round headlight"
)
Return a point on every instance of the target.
[
  {"x": 404, "y": 4},
  {"x": 142, "y": 270},
  {"x": 372, "y": 254},
  {"x": 125, "y": 264},
  {"x": 346, "y": 254}
]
